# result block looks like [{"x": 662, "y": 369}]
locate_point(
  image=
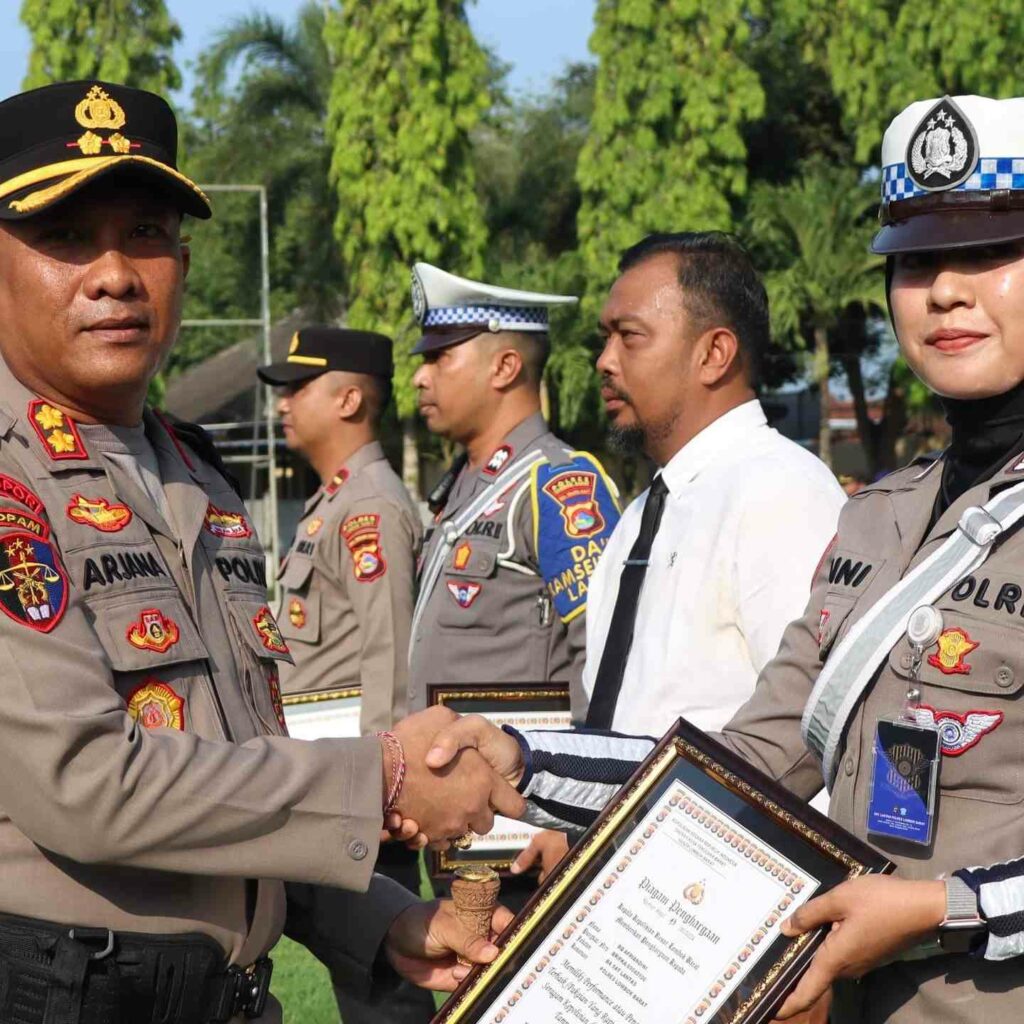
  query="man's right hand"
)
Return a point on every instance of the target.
[
  {"x": 548, "y": 847},
  {"x": 448, "y": 795},
  {"x": 474, "y": 732}
]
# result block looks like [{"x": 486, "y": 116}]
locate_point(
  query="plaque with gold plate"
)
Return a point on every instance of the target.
[
  {"x": 669, "y": 908},
  {"x": 523, "y": 706}
]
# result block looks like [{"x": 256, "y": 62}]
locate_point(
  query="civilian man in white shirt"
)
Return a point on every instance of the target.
[{"x": 706, "y": 568}]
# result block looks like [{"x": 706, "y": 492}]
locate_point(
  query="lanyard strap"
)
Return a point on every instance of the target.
[
  {"x": 453, "y": 529},
  {"x": 850, "y": 669}
]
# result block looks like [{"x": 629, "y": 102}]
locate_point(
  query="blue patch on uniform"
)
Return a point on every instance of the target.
[{"x": 574, "y": 512}]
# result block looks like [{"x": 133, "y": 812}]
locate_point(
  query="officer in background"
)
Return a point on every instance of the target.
[
  {"x": 150, "y": 804},
  {"x": 347, "y": 582},
  {"x": 522, "y": 519},
  {"x": 905, "y": 673}
]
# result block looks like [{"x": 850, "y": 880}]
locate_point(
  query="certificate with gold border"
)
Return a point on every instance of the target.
[
  {"x": 529, "y": 706},
  {"x": 668, "y": 911},
  {"x": 331, "y": 713}
]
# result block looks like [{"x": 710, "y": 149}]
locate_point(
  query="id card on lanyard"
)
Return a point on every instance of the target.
[{"x": 907, "y": 756}]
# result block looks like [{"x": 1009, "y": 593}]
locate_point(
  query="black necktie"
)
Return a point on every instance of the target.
[{"x": 620, "y": 633}]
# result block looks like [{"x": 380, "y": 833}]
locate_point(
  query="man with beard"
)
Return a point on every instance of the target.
[{"x": 707, "y": 567}]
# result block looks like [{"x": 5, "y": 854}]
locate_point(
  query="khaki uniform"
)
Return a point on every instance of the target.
[
  {"x": 883, "y": 532},
  {"x": 347, "y": 589},
  {"x": 509, "y": 603},
  {"x": 145, "y": 784}
]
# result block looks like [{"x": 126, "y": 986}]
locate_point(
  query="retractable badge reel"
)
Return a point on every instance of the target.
[{"x": 907, "y": 753}]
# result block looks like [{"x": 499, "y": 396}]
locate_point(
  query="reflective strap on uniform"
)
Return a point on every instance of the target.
[
  {"x": 851, "y": 667},
  {"x": 452, "y": 530}
]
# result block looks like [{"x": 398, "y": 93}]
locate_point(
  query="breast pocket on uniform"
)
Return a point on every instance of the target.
[
  {"x": 263, "y": 647},
  {"x": 971, "y": 681},
  {"x": 158, "y": 659},
  {"x": 465, "y": 587},
  {"x": 299, "y": 617}
]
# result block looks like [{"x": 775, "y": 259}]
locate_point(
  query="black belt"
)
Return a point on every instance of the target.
[{"x": 55, "y": 974}]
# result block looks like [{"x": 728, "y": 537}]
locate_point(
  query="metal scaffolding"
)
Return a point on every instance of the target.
[{"x": 262, "y": 393}]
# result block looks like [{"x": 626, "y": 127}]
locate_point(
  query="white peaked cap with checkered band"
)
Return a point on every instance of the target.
[
  {"x": 452, "y": 309},
  {"x": 952, "y": 175}
]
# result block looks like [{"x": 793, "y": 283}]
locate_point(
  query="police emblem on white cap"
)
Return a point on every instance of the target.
[
  {"x": 943, "y": 148},
  {"x": 452, "y": 309}
]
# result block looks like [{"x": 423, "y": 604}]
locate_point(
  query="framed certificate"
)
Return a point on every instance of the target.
[
  {"x": 668, "y": 909},
  {"x": 523, "y": 706},
  {"x": 317, "y": 716}
]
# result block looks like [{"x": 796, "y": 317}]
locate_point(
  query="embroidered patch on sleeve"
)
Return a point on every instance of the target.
[
  {"x": 155, "y": 705},
  {"x": 98, "y": 513},
  {"x": 574, "y": 514},
  {"x": 153, "y": 632},
  {"x": 274, "y": 685},
  {"x": 33, "y": 584},
  {"x": 361, "y": 534},
  {"x": 226, "y": 524},
  {"x": 18, "y": 519},
  {"x": 268, "y": 631},
  {"x": 56, "y": 430},
  {"x": 15, "y": 490}
]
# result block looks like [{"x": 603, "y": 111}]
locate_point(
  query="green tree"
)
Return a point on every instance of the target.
[
  {"x": 411, "y": 88},
  {"x": 127, "y": 41},
  {"x": 263, "y": 126},
  {"x": 666, "y": 149},
  {"x": 814, "y": 233}
]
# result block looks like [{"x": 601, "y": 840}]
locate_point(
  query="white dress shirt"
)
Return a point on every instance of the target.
[{"x": 747, "y": 517}]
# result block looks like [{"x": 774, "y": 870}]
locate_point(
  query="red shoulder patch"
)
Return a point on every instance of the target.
[
  {"x": 361, "y": 534},
  {"x": 17, "y": 519},
  {"x": 15, "y": 490},
  {"x": 33, "y": 584},
  {"x": 336, "y": 481},
  {"x": 56, "y": 430}
]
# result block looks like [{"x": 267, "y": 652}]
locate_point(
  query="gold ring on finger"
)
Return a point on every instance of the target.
[{"x": 465, "y": 841}]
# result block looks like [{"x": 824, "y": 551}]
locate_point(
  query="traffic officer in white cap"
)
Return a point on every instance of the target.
[
  {"x": 522, "y": 519},
  {"x": 902, "y": 684}
]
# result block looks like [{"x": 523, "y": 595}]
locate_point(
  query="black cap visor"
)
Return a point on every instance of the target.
[
  {"x": 949, "y": 229},
  {"x": 282, "y": 374},
  {"x": 45, "y": 192},
  {"x": 432, "y": 341}
]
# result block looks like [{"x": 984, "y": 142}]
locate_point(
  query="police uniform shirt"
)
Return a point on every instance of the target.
[
  {"x": 347, "y": 589},
  {"x": 509, "y": 604},
  {"x": 746, "y": 517},
  {"x": 145, "y": 784}
]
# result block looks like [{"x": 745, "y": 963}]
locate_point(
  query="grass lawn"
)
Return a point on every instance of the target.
[{"x": 301, "y": 982}]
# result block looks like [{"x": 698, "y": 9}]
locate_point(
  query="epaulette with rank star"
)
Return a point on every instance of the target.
[{"x": 57, "y": 431}]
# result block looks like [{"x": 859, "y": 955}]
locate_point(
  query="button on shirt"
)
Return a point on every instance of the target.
[{"x": 747, "y": 518}]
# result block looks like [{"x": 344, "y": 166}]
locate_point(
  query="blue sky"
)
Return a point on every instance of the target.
[{"x": 537, "y": 37}]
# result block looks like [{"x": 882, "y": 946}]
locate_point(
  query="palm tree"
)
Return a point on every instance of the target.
[
  {"x": 814, "y": 234},
  {"x": 268, "y": 125}
]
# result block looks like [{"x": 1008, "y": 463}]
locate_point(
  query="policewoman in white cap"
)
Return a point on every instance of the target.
[
  {"x": 522, "y": 518},
  {"x": 903, "y": 683}
]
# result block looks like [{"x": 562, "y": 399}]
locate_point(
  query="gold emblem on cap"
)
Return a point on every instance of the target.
[{"x": 100, "y": 111}]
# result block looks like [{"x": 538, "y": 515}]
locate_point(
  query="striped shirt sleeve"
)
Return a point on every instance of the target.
[
  {"x": 1000, "y": 892},
  {"x": 571, "y": 776}
]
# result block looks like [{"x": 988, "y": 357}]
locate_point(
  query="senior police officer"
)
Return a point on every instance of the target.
[
  {"x": 524, "y": 518},
  {"x": 908, "y": 659},
  {"x": 149, "y": 800},
  {"x": 347, "y": 582}
]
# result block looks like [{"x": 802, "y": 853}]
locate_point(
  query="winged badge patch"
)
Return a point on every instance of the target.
[{"x": 958, "y": 732}]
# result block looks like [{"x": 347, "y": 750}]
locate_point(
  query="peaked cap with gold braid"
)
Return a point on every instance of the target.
[
  {"x": 57, "y": 139},
  {"x": 317, "y": 350}
]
